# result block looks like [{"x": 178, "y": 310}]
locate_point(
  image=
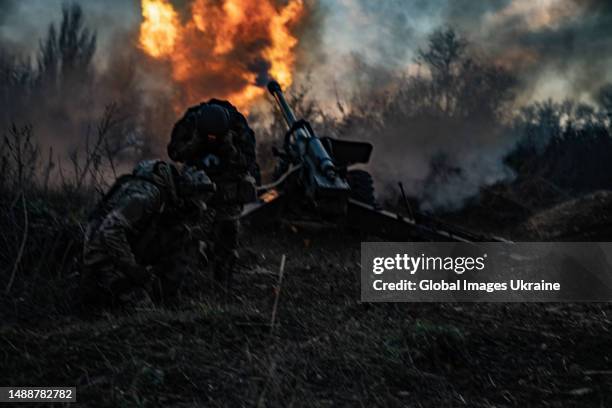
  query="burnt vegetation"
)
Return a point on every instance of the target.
[{"x": 482, "y": 162}]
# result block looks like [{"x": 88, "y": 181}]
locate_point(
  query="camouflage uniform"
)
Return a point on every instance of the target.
[
  {"x": 135, "y": 235},
  {"x": 214, "y": 136}
]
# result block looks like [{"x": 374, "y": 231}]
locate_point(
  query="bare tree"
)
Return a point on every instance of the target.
[
  {"x": 16, "y": 79},
  {"x": 443, "y": 57},
  {"x": 604, "y": 98},
  {"x": 65, "y": 58}
]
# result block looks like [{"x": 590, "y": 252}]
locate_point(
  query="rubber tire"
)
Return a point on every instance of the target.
[{"x": 362, "y": 186}]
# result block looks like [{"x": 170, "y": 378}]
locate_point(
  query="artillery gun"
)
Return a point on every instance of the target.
[{"x": 314, "y": 175}]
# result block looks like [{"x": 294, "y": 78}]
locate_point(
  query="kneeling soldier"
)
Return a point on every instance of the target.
[{"x": 136, "y": 235}]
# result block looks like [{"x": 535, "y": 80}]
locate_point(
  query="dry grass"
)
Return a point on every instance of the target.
[{"x": 327, "y": 349}]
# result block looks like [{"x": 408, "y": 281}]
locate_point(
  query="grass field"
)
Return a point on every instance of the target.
[{"x": 326, "y": 348}]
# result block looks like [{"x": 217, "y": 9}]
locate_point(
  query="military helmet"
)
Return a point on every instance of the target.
[
  {"x": 210, "y": 119},
  {"x": 190, "y": 134},
  {"x": 194, "y": 182}
]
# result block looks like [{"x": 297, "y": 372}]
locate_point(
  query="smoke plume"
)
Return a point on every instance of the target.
[
  {"x": 360, "y": 60},
  {"x": 552, "y": 49}
]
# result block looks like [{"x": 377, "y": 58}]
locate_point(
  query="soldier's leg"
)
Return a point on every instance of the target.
[
  {"x": 102, "y": 287},
  {"x": 226, "y": 230},
  {"x": 170, "y": 275},
  {"x": 176, "y": 253}
]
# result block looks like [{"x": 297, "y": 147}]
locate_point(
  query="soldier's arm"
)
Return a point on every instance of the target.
[
  {"x": 120, "y": 222},
  {"x": 237, "y": 151},
  {"x": 246, "y": 146}
]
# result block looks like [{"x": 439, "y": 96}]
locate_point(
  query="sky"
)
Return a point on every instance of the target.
[
  {"x": 562, "y": 47},
  {"x": 557, "y": 48},
  {"x": 24, "y": 22}
]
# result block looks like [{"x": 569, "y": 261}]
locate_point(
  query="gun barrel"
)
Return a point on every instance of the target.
[
  {"x": 276, "y": 91},
  {"x": 313, "y": 147}
]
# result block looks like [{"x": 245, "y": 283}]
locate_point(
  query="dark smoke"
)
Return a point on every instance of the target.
[
  {"x": 358, "y": 54},
  {"x": 63, "y": 89},
  {"x": 551, "y": 49},
  {"x": 581, "y": 50},
  {"x": 567, "y": 41},
  {"x": 394, "y": 22},
  {"x": 6, "y": 8},
  {"x": 439, "y": 133},
  {"x": 576, "y": 46}
]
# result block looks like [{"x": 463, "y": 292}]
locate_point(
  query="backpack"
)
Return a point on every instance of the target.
[{"x": 101, "y": 209}]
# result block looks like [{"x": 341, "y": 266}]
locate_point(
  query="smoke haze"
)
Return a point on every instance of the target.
[{"x": 355, "y": 51}]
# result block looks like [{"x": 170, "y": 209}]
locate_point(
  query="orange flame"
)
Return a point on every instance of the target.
[{"x": 223, "y": 49}]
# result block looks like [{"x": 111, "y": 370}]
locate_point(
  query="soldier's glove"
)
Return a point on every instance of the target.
[{"x": 139, "y": 275}]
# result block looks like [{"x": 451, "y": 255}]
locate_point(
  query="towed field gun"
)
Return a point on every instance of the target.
[{"x": 314, "y": 176}]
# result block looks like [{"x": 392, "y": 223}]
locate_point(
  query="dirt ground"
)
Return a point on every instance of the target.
[{"x": 326, "y": 348}]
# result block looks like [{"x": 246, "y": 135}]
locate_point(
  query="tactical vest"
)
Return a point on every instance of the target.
[{"x": 141, "y": 241}]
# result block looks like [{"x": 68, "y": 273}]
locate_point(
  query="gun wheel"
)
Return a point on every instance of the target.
[{"x": 362, "y": 186}]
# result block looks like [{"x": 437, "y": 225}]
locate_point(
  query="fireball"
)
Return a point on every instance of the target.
[
  {"x": 159, "y": 30},
  {"x": 224, "y": 49}
]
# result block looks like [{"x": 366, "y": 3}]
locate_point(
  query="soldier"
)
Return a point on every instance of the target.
[
  {"x": 136, "y": 236},
  {"x": 214, "y": 136}
]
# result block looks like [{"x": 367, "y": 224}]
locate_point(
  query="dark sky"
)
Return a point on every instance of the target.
[
  {"x": 560, "y": 47},
  {"x": 563, "y": 46},
  {"x": 24, "y": 22}
]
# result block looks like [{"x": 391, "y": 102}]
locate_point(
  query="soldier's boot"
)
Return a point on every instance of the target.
[
  {"x": 225, "y": 258},
  {"x": 223, "y": 268},
  {"x": 99, "y": 288},
  {"x": 166, "y": 287}
]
